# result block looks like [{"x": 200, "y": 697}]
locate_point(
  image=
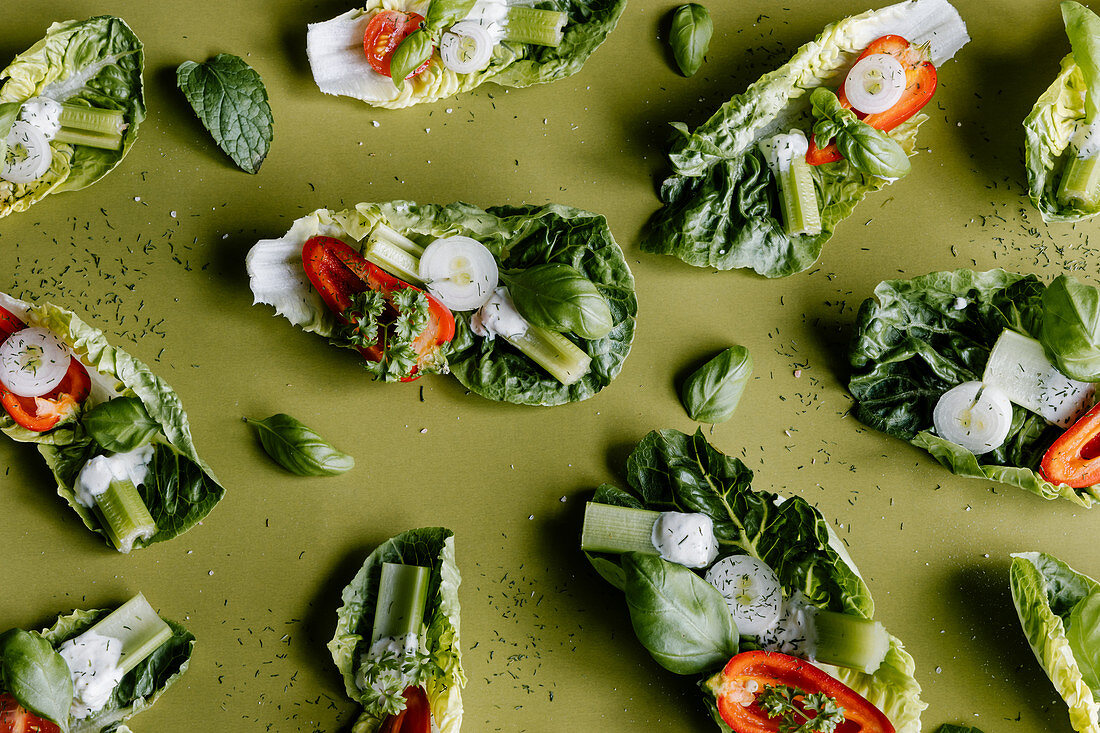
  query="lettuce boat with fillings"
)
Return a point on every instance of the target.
[
  {"x": 1062, "y": 133},
  {"x": 114, "y": 434},
  {"x": 991, "y": 372},
  {"x": 747, "y": 590},
  {"x": 400, "y": 53},
  {"x": 90, "y": 671},
  {"x": 760, "y": 185},
  {"x": 70, "y": 107},
  {"x": 397, "y": 636},
  {"x": 1059, "y": 611},
  {"x": 527, "y": 304}
]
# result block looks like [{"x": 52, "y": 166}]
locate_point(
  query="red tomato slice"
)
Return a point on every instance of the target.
[
  {"x": 384, "y": 34},
  {"x": 17, "y": 719},
  {"x": 415, "y": 718}
]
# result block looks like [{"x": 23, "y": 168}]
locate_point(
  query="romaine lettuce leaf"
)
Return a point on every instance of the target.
[
  {"x": 670, "y": 470},
  {"x": 96, "y": 62},
  {"x": 519, "y": 237},
  {"x": 142, "y": 686},
  {"x": 1045, "y": 592},
  {"x": 721, "y": 206},
  {"x": 431, "y": 547}
]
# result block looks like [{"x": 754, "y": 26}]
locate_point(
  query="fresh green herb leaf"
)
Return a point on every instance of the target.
[
  {"x": 712, "y": 392},
  {"x": 298, "y": 448},
  {"x": 120, "y": 425},
  {"x": 444, "y": 13},
  {"x": 363, "y": 319},
  {"x": 409, "y": 55},
  {"x": 791, "y": 704},
  {"x": 230, "y": 99},
  {"x": 867, "y": 149},
  {"x": 387, "y": 675},
  {"x": 1071, "y": 328},
  {"x": 36, "y": 675},
  {"x": 692, "y": 28},
  {"x": 558, "y": 297}
]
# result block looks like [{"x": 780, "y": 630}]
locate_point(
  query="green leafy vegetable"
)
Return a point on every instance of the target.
[
  {"x": 692, "y": 28},
  {"x": 230, "y": 100},
  {"x": 869, "y": 150},
  {"x": 399, "y": 356},
  {"x": 779, "y": 701},
  {"x": 557, "y": 297},
  {"x": 298, "y": 448},
  {"x": 120, "y": 425},
  {"x": 681, "y": 619},
  {"x": 97, "y": 63},
  {"x": 36, "y": 675},
  {"x": 712, "y": 392},
  {"x": 1071, "y": 328},
  {"x": 444, "y": 13},
  {"x": 414, "y": 50},
  {"x": 1083, "y": 633}
]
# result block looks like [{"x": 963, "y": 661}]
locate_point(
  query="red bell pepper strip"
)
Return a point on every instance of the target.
[
  {"x": 338, "y": 272},
  {"x": 415, "y": 718},
  {"x": 749, "y": 674},
  {"x": 39, "y": 414},
  {"x": 920, "y": 85},
  {"x": 1074, "y": 459}
]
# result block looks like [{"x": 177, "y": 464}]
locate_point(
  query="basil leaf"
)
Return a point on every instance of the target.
[
  {"x": 444, "y": 13},
  {"x": 867, "y": 149},
  {"x": 36, "y": 675},
  {"x": 298, "y": 448},
  {"x": 558, "y": 297},
  {"x": 230, "y": 100},
  {"x": 690, "y": 37},
  {"x": 409, "y": 55},
  {"x": 681, "y": 619},
  {"x": 120, "y": 425},
  {"x": 712, "y": 392},
  {"x": 1071, "y": 328}
]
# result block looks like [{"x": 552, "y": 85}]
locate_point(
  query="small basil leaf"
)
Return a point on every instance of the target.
[
  {"x": 1071, "y": 328},
  {"x": 557, "y": 297},
  {"x": 36, "y": 675},
  {"x": 712, "y": 392},
  {"x": 690, "y": 36},
  {"x": 444, "y": 13},
  {"x": 120, "y": 425},
  {"x": 230, "y": 100},
  {"x": 867, "y": 149},
  {"x": 409, "y": 55},
  {"x": 298, "y": 448},
  {"x": 681, "y": 619}
]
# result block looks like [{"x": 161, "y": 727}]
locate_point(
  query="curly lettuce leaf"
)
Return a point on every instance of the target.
[
  {"x": 519, "y": 237},
  {"x": 1045, "y": 592},
  {"x": 339, "y": 66},
  {"x": 431, "y": 547},
  {"x": 672, "y": 471},
  {"x": 96, "y": 62},
  {"x": 142, "y": 686}
]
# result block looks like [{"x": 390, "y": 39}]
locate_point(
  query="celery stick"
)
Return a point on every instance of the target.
[
  {"x": 552, "y": 351},
  {"x": 93, "y": 119},
  {"x": 1081, "y": 182},
  {"x": 846, "y": 640},
  {"x": 533, "y": 25},
  {"x": 138, "y": 627},
  {"x": 104, "y": 141},
  {"x": 617, "y": 529},
  {"x": 394, "y": 253},
  {"x": 798, "y": 199},
  {"x": 402, "y": 598},
  {"x": 124, "y": 515}
]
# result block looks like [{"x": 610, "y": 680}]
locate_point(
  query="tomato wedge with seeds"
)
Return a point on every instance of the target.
[
  {"x": 384, "y": 33},
  {"x": 14, "y": 718},
  {"x": 920, "y": 85},
  {"x": 415, "y": 718}
]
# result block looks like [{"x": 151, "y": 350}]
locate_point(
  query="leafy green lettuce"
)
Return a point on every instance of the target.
[
  {"x": 180, "y": 488},
  {"x": 918, "y": 338},
  {"x": 519, "y": 236},
  {"x": 672, "y": 471},
  {"x": 1048, "y": 594},
  {"x": 512, "y": 64},
  {"x": 142, "y": 686},
  {"x": 721, "y": 205},
  {"x": 431, "y": 547},
  {"x": 96, "y": 62}
]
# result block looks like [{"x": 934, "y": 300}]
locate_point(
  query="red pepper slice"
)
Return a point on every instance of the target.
[
  {"x": 772, "y": 668},
  {"x": 415, "y": 718},
  {"x": 42, "y": 413},
  {"x": 1074, "y": 459},
  {"x": 338, "y": 272},
  {"x": 920, "y": 85},
  {"x": 14, "y": 718}
]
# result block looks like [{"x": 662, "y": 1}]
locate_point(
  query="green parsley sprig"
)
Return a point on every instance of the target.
[
  {"x": 386, "y": 676},
  {"x": 365, "y": 328},
  {"x": 778, "y": 701}
]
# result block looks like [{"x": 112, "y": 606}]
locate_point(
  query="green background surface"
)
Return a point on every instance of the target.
[{"x": 154, "y": 254}]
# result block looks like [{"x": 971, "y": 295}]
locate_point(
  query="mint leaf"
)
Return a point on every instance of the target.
[{"x": 231, "y": 102}]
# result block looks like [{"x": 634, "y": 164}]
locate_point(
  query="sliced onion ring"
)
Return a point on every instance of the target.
[
  {"x": 28, "y": 155},
  {"x": 974, "y": 415},
  {"x": 33, "y": 362},
  {"x": 875, "y": 83},
  {"x": 466, "y": 47},
  {"x": 752, "y": 592},
  {"x": 460, "y": 271}
]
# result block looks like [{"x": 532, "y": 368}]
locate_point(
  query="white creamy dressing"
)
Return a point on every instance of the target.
[
  {"x": 780, "y": 150},
  {"x": 99, "y": 471},
  {"x": 498, "y": 317},
  {"x": 794, "y": 632},
  {"x": 685, "y": 538},
  {"x": 44, "y": 113},
  {"x": 93, "y": 663},
  {"x": 381, "y": 679}
]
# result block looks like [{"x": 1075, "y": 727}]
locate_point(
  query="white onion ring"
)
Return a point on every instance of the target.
[
  {"x": 875, "y": 83},
  {"x": 466, "y": 47},
  {"x": 33, "y": 362},
  {"x": 38, "y": 154},
  {"x": 460, "y": 271}
]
